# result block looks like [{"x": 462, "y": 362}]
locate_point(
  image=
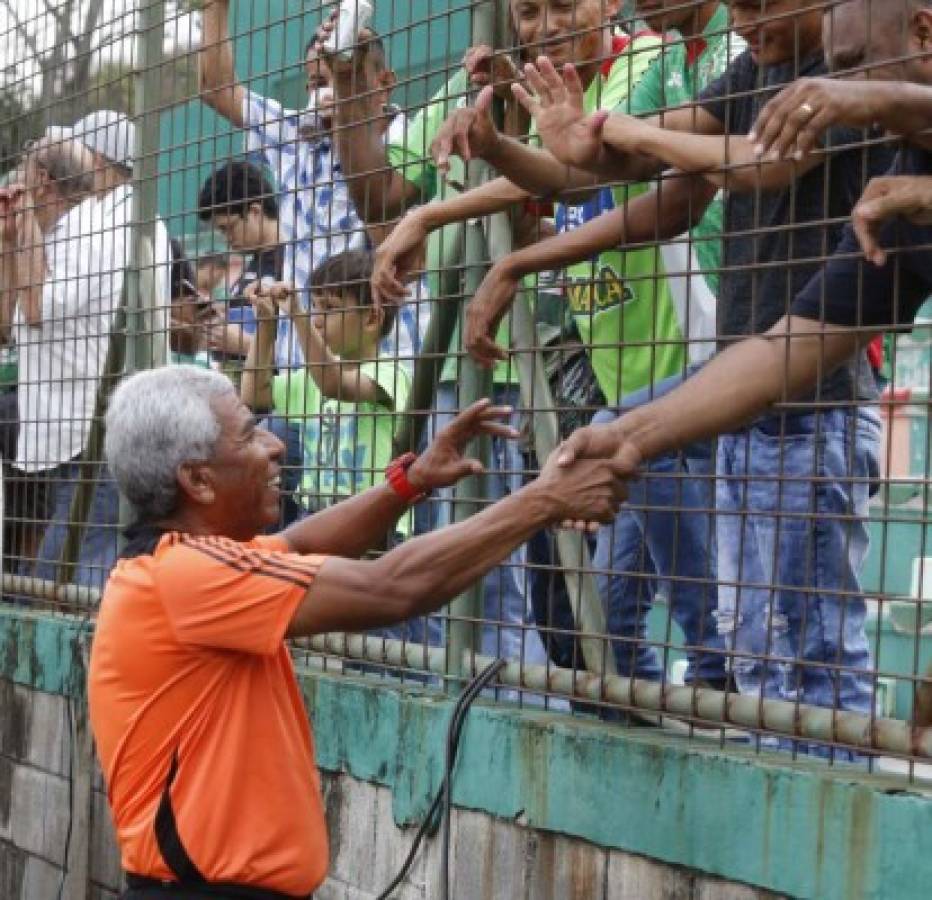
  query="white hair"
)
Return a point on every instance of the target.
[{"x": 156, "y": 421}]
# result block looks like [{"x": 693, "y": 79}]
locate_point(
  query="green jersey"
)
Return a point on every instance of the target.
[
  {"x": 619, "y": 300},
  {"x": 642, "y": 311},
  {"x": 346, "y": 445}
]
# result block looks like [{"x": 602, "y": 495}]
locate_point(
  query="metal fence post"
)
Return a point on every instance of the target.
[{"x": 474, "y": 383}]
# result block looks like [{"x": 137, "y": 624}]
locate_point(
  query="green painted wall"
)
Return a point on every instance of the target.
[{"x": 800, "y": 829}]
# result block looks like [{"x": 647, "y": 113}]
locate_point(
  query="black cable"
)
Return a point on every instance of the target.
[
  {"x": 71, "y": 752},
  {"x": 72, "y": 738},
  {"x": 444, "y": 794}
]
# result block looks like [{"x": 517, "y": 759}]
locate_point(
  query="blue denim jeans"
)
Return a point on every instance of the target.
[
  {"x": 99, "y": 543},
  {"x": 511, "y": 634},
  {"x": 792, "y": 502},
  {"x": 663, "y": 536}
]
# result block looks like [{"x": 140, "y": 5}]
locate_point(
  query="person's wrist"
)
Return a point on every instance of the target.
[
  {"x": 416, "y": 478},
  {"x": 513, "y": 266},
  {"x": 405, "y": 476},
  {"x": 495, "y": 148},
  {"x": 540, "y": 503},
  {"x": 429, "y": 217},
  {"x": 632, "y": 435}
]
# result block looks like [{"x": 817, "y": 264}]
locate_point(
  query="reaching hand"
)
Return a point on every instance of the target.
[
  {"x": 263, "y": 302},
  {"x": 556, "y": 106},
  {"x": 397, "y": 259},
  {"x": 443, "y": 462},
  {"x": 484, "y": 313},
  {"x": 601, "y": 442},
  {"x": 11, "y": 201},
  {"x": 467, "y": 133},
  {"x": 792, "y": 123},
  {"x": 909, "y": 196},
  {"x": 486, "y": 67}
]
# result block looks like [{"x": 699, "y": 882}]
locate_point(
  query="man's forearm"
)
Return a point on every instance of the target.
[
  {"x": 351, "y": 527},
  {"x": 441, "y": 565},
  {"x": 492, "y": 197},
  {"x": 906, "y": 109},
  {"x": 725, "y": 160},
  {"x": 416, "y": 578},
  {"x": 661, "y": 214},
  {"x": 379, "y": 193},
  {"x": 537, "y": 171},
  {"x": 29, "y": 274},
  {"x": 256, "y": 382},
  {"x": 7, "y": 293},
  {"x": 740, "y": 384},
  {"x": 215, "y": 65}
]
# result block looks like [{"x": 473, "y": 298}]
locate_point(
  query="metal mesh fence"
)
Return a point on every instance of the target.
[{"x": 186, "y": 181}]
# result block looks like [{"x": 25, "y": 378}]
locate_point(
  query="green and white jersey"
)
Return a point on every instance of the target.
[
  {"x": 620, "y": 301},
  {"x": 346, "y": 445}
]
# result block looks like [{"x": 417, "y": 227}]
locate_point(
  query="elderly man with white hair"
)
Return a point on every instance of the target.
[
  {"x": 51, "y": 295},
  {"x": 85, "y": 299},
  {"x": 196, "y": 712}
]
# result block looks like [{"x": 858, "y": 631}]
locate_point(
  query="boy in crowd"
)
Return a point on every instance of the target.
[
  {"x": 805, "y": 531},
  {"x": 240, "y": 202},
  {"x": 346, "y": 396}
]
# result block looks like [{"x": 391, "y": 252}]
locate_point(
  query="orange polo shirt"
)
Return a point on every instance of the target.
[{"x": 189, "y": 663}]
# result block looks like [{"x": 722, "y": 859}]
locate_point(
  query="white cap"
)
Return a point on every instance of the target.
[{"x": 109, "y": 133}]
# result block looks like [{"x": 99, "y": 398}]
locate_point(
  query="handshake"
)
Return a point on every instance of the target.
[
  {"x": 589, "y": 473},
  {"x": 581, "y": 486}
]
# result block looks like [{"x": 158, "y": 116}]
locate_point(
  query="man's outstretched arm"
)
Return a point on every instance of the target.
[
  {"x": 424, "y": 573},
  {"x": 662, "y": 214},
  {"x": 379, "y": 192},
  {"x": 359, "y": 524},
  {"x": 729, "y": 392}
]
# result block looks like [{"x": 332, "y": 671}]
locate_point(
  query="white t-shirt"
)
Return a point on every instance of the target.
[{"x": 61, "y": 359}]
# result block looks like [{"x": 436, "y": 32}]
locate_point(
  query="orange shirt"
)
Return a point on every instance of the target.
[{"x": 188, "y": 662}]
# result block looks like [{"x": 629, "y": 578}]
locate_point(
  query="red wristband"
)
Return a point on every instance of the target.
[{"x": 396, "y": 474}]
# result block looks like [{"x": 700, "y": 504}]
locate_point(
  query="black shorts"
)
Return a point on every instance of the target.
[{"x": 150, "y": 889}]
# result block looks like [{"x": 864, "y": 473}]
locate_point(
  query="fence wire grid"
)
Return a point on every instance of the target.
[{"x": 201, "y": 183}]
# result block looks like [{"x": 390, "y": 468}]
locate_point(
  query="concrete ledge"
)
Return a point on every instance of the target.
[{"x": 803, "y": 830}]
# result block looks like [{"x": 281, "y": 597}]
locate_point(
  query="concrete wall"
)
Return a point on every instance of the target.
[
  {"x": 491, "y": 858},
  {"x": 53, "y": 807},
  {"x": 548, "y": 806}
]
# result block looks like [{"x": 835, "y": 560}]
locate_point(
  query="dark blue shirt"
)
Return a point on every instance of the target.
[
  {"x": 775, "y": 240},
  {"x": 853, "y": 291}
]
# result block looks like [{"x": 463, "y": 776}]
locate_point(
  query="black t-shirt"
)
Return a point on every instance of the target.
[
  {"x": 775, "y": 241},
  {"x": 853, "y": 291}
]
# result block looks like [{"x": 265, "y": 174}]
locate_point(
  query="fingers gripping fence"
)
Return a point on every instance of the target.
[{"x": 767, "y": 581}]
